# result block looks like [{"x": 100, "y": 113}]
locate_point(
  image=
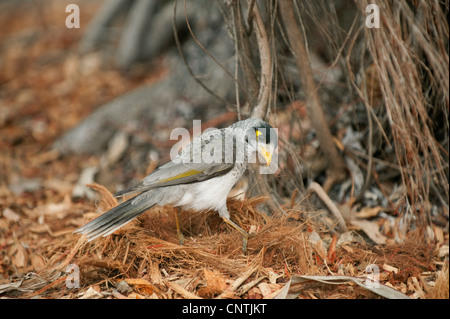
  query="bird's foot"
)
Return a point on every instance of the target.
[
  {"x": 180, "y": 238},
  {"x": 245, "y": 235}
]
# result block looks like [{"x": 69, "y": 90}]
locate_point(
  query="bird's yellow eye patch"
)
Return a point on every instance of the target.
[{"x": 258, "y": 133}]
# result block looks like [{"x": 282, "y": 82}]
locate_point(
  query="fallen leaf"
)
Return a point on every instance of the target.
[
  {"x": 331, "y": 256},
  {"x": 438, "y": 234},
  {"x": 181, "y": 290},
  {"x": 117, "y": 146},
  {"x": 390, "y": 268},
  {"x": 254, "y": 293},
  {"x": 368, "y": 212},
  {"x": 59, "y": 209},
  {"x": 264, "y": 289},
  {"x": 443, "y": 251},
  {"x": 19, "y": 259},
  {"x": 11, "y": 215},
  {"x": 371, "y": 229},
  {"x": 273, "y": 277},
  {"x": 86, "y": 177},
  {"x": 38, "y": 262},
  {"x": 215, "y": 284},
  {"x": 92, "y": 293},
  {"x": 293, "y": 288},
  {"x": 142, "y": 285},
  {"x": 134, "y": 295}
]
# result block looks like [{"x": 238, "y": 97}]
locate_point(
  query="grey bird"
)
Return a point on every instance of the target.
[{"x": 198, "y": 178}]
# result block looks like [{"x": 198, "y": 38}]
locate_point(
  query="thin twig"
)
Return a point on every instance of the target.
[
  {"x": 250, "y": 16},
  {"x": 236, "y": 69},
  {"x": 235, "y": 285},
  {"x": 182, "y": 291},
  {"x": 180, "y": 50},
  {"x": 329, "y": 203},
  {"x": 197, "y": 41}
]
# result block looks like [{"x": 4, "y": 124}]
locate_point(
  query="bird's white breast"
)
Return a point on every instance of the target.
[{"x": 210, "y": 194}]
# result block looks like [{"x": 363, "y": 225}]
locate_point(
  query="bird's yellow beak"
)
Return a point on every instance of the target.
[{"x": 266, "y": 154}]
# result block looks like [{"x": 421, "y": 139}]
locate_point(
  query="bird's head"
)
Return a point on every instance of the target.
[{"x": 260, "y": 137}]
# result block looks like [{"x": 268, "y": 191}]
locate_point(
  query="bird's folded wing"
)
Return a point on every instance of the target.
[
  {"x": 183, "y": 169},
  {"x": 182, "y": 173}
]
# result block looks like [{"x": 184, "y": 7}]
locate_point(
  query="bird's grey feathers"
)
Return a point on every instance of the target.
[
  {"x": 115, "y": 218},
  {"x": 190, "y": 166}
]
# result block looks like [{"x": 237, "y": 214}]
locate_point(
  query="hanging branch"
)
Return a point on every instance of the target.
[
  {"x": 265, "y": 82},
  {"x": 336, "y": 167},
  {"x": 244, "y": 55}
]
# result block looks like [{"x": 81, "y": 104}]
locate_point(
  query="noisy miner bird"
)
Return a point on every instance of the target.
[{"x": 199, "y": 178}]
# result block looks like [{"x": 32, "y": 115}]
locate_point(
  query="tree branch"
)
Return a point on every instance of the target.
[
  {"x": 265, "y": 82},
  {"x": 336, "y": 167}
]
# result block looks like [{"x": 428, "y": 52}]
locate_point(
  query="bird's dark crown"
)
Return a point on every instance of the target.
[{"x": 265, "y": 129}]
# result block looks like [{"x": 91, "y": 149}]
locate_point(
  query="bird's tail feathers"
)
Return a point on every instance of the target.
[{"x": 115, "y": 218}]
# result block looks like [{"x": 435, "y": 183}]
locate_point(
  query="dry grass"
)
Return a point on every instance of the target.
[
  {"x": 409, "y": 53},
  {"x": 440, "y": 289},
  {"x": 211, "y": 264}
]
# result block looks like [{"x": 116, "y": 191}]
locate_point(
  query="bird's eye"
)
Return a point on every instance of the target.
[{"x": 259, "y": 135}]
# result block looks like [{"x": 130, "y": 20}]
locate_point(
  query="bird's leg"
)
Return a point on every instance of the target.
[
  {"x": 244, "y": 234},
  {"x": 179, "y": 234}
]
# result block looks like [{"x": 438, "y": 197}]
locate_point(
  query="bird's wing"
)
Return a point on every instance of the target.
[{"x": 184, "y": 168}]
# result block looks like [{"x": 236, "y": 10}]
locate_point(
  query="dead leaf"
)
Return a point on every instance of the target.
[
  {"x": 347, "y": 249},
  {"x": 438, "y": 234},
  {"x": 42, "y": 158},
  {"x": 320, "y": 249},
  {"x": 264, "y": 288},
  {"x": 92, "y": 293},
  {"x": 390, "y": 268},
  {"x": 181, "y": 290},
  {"x": 38, "y": 262},
  {"x": 19, "y": 259},
  {"x": 443, "y": 251},
  {"x": 134, "y": 295},
  {"x": 292, "y": 288},
  {"x": 254, "y": 293},
  {"x": 368, "y": 212},
  {"x": 86, "y": 177},
  {"x": 142, "y": 285},
  {"x": 155, "y": 274},
  {"x": 118, "y": 295},
  {"x": 11, "y": 215},
  {"x": 371, "y": 229},
  {"x": 331, "y": 256},
  {"x": 117, "y": 146},
  {"x": 215, "y": 284},
  {"x": 39, "y": 228},
  {"x": 58, "y": 210}
]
